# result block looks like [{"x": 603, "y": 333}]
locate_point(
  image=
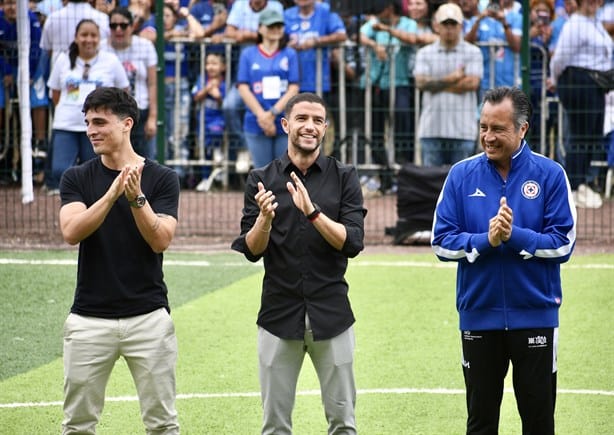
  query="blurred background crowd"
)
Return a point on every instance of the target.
[{"x": 402, "y": 78}]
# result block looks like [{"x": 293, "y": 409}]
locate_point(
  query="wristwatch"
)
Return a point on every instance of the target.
[
  {"x": 315, "y": 213},
  {"x": 138, "y": 202}
]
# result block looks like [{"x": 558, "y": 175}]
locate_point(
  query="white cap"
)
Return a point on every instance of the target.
[{"x": 449, "y": 11}]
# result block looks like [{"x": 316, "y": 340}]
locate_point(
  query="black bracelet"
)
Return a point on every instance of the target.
[{"x": 315, "y": 213}]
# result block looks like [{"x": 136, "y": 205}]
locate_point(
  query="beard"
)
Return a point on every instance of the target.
[{"x": 303, "y": 150}]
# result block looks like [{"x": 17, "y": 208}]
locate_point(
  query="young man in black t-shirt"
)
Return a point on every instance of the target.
[{"x": 121, "y": 209}]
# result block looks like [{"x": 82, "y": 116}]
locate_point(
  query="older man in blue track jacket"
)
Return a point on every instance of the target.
[{"x": 508, "y": 218}]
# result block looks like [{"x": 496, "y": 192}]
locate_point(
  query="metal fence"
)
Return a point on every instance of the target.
[{"x": 215, "y": 215}]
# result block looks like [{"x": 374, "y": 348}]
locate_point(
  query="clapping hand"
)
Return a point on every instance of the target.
[
  {"x": 500, "y": 226},
  {"x": 266, "y": 202},
  {"x": 299, "y": 193},
  {"x": 132, "y": 181}
]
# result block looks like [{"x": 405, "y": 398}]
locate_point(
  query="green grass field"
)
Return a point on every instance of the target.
[{"x": 407, "y": 356}]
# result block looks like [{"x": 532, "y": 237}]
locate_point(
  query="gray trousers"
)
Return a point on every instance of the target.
[{"x": 280, "y": 364}]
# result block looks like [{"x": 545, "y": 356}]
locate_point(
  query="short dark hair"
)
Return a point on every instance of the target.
[
  {"x": 304, "y": 97},
  {"x": 118, "y": 101},
  {"x": 521, "y": 103},
  {"x": 378, "y": 6},
  {"x": 217, "y": 54},
  {"x": 124, "y": 12}
]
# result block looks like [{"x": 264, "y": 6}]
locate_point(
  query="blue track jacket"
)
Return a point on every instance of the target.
[{"x": 516, "y": 285}]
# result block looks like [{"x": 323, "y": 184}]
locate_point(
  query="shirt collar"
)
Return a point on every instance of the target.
[
  {"x": 441, "y": 47},
  {"x": 287, "y": 165},
  {"x": 520, "y": 149}
]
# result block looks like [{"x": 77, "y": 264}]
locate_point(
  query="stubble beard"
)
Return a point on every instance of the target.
[{"x": 303, "y": 151}]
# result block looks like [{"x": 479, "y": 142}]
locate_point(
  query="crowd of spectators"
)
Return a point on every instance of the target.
[{"x": 392, "y": 46}]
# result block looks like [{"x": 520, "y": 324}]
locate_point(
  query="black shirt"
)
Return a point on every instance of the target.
[
  {"x": 302, "y": 270},
  {"x": 118, "y": 273}
]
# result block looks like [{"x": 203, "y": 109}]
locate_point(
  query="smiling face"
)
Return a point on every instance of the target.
[
  {"x": 306, "y": 126},
  {"x": 214, "y": 65},
  {"x": 273, "y": 32},
  {"x": 121, "y": 31},
  {"x": 87, "y": 38},
  {"x": 418, "y": 9},
  {"x": 106, "y": 131},
  {"x": 499, "y": 136}
]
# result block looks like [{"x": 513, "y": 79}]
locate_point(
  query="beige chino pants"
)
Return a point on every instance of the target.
[{"x": 91, "y": 347}]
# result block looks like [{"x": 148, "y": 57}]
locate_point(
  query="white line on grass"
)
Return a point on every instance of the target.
[
  {"x": 203, "y": 263},
  {"x": 57, "y": 262},
  {"x": 187, "y": 396}
]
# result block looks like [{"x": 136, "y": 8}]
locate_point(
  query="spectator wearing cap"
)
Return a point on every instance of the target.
[
  {"x": 448, "y": 72},
  {"x": 268, "y": 77}
]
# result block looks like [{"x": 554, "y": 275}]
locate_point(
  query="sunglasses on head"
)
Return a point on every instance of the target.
[{"x": 123, "y": 26}]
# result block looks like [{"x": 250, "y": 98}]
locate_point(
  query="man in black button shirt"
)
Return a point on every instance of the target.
[{"x": 304, "y": 215}]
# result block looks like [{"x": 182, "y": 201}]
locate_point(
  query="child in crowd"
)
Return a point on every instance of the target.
[{"x": 209, "y": 92}]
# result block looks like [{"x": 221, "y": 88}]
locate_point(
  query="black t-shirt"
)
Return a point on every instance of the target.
[{"x": 118, "y": 273}]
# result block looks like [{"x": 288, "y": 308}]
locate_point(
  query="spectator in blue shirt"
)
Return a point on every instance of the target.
[
  {"x": 211, "y": 16},
  {"x": 498, "y": 23},
  {"x": 311, "y": 26},
  {"x": 177, "y": 23},
  {"x": 38, "y": 69},
  {"x": 208, "y": 93},
  {"x": 268, "y": 77},
  {"x": 242, "y": 28}
]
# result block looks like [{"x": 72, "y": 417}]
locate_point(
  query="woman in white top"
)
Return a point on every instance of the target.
[
  {"x": 584, "y": 46},
  {"x": 140, "y": 60},
  {"x": 73, "y": 77}
]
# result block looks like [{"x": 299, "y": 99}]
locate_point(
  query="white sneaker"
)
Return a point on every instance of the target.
[{"x": 585, "y": 197}]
